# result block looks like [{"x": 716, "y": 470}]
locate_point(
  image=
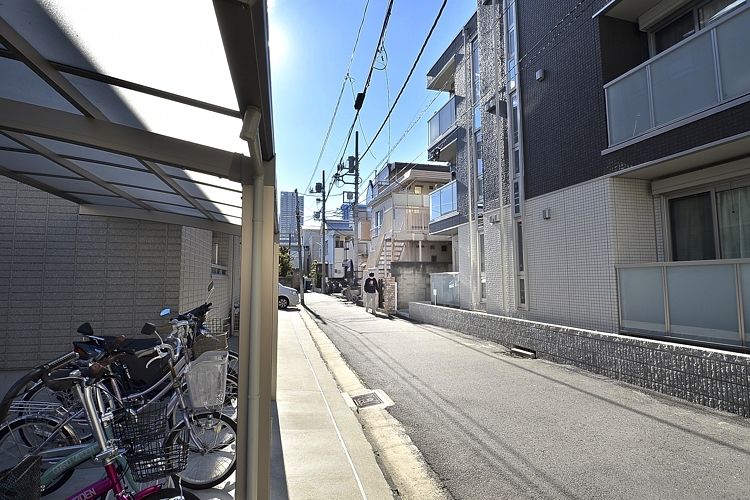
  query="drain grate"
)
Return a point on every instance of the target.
[{"x": 365, "y": 400}]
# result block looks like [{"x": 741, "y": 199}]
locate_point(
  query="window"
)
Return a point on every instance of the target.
[
  {"x": 339, "y": 243},
  {"x": 433, "y": 258},
  {"x": 417, "y": 189},
  {"x": 711, "y": 224},
  {"x": 480, "y": 165},
  {"x": 481, "y": 253},
  {"x": 378, "y": 218},
  {"x": 475, "y": 70},
  {"x": 689, "y": 22},
  {"x": 519, "y": 246},
  {"x": 444, "y": 248}
]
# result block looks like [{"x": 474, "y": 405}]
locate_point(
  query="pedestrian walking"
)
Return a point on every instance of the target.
[{"x": 371, "y": 293}]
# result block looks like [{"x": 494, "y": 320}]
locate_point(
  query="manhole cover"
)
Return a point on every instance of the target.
[{"x": 369, "y": 399}]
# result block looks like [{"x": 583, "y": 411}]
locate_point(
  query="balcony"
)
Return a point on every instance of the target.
[
  {"x": 701, "y": 301},
  {"x": 442, "y": 121},
  {"x": 702, "y": 72},
  {"x": 444, "y": 201}
]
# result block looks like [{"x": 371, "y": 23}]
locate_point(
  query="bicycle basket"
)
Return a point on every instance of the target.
[
  {"x": 144, "y": 433},
  {"x": 209, "y": 342},
  {"x": 135, "y": 426},
  {"x": 152, "y": 460},
  {"x": 207, "y": 379},
  {"x": 22, "y": 481}
]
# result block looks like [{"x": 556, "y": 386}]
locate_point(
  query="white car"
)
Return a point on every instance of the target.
[{"x": 287, "y": 296}]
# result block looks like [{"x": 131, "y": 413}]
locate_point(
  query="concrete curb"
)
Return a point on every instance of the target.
[{"x": 401, "y": 461}]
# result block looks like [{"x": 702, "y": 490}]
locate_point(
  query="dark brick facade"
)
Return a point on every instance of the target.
[{"x": 564, "y": 116}]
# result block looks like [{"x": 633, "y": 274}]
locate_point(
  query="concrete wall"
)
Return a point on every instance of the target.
[
  {"x": 413, "y": 280},
  {"x": 59, "y": 269},
  {"x": 705, "y": 376}
]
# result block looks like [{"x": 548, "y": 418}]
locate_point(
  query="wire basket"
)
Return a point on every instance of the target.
[
  {"x": 22, "y": 481},
  {"x": 144, "y": 433},
  {"x": 209, "y": 342},
  {"x": 152, "y": 460},
  {"x": 131, "y": 426},
  {"x": 218, "y": 325},
  {"x": 207, "y": 379}
]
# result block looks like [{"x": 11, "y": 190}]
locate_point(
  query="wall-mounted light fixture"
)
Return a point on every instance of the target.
[
  {"x": 546, "y": 214},
  {"x": 540, "y": 75}
]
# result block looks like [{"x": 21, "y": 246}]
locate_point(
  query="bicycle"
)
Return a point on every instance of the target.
[
  {"x": 118, "y": 463},
  {"x": 211, "y": 434}
]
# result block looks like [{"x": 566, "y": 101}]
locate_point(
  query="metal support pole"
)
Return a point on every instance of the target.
[
  {"x": 299, "y": 251},
  {"x": 355, "y": 260},
  {"x": 324, "y": 278}
]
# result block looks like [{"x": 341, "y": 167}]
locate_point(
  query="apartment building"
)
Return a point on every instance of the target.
[
  {"x": 612, "y": 200},
  {"x": 400, "y": 245},
  {"x": 288, "y": 223}
]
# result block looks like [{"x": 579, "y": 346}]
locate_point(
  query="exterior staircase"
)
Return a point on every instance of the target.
[{"x": 392, "y": 252}]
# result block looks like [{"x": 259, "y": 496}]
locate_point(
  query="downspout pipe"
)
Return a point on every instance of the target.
[{"x": 248, "y": 459}]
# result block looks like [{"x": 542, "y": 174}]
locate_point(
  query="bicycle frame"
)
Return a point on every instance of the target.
[{"x": 111, "y": 482}]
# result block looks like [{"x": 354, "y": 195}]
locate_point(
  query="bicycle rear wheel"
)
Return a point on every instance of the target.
[
  {"x": 26, "y": 435},
  {"x": 212, "y": 455}
]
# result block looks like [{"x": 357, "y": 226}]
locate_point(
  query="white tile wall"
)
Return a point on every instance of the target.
[{"x": 571, "y": 258}]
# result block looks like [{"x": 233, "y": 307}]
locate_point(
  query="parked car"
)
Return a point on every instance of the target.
[{"x": 287, "y": 296}]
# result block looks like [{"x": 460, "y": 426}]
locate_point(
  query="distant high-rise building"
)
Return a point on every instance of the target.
[{"x": 288, "y": 217}]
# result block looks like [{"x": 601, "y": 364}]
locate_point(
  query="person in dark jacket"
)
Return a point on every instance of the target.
[{"x": 371, "y": 293}]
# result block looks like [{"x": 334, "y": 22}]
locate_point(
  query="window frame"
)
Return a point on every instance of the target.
[{"x": 712, "y": 189}]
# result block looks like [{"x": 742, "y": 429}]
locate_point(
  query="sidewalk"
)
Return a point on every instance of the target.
[{"x": 324, "y": 450}]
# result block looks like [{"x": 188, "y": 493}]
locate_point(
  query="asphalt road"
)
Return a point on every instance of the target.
[{"x": 492, "y": 426}]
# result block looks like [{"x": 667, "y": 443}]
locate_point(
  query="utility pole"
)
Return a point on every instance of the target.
[
  {"x": 355, "y": 260},
  {"x": 299, "y": 252},
  {"x": 324, "y": 279}
]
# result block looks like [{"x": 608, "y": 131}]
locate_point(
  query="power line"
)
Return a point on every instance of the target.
[
  {"x": 408, "y": 77},
  {"x": 359, "y": 100},
  {"x": 338, "y": 101}
]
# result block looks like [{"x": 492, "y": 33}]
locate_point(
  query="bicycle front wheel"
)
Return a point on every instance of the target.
[
  {"x": 212, "y": 455},
  {"x": 29, "y": 435}
]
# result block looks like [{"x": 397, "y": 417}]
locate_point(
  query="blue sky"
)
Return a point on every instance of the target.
[{"x": 311, "y": 43}]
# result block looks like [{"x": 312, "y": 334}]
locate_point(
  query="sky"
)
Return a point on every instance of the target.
[{"x": 310, "y": 46}]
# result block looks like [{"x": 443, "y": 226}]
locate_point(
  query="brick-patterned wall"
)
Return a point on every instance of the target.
[
  {"x": 705, "y": 376},
  {"x": 413, "y": 280},
  {"x": 59, "y": 269},
  {"x": 195, "y": 266}
]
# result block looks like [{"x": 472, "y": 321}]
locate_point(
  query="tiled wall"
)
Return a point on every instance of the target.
[
  {"x": 59, "y": 269},
  {"x": 571, "y": 257},
  {"x": 195, "y": 273},
  {"x": 705, "y": 376}
]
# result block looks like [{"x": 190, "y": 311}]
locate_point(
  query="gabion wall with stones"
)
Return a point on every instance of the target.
[{"x": 708, "y": 377}]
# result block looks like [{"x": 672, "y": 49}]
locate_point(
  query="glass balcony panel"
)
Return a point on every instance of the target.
[
  {"x": 442, "y": 120},
  {"x": 628, "y": 107},
  {"x": 703, "y": 303},
  {"x": 642, "y": 299},
  {"x": 444, "y": 288},
  {"x": 733, "y": 39},
  {"x": 684, "y": 81},
  {"x": 745, "y": 284},
  {"x": 443, "y": 201}
]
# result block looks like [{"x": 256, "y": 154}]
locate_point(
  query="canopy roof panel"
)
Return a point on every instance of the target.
[{"x": 134, "y": 109}]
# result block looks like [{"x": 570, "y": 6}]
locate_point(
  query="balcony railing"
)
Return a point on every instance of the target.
[
  {"x": 703, "y": 71},
  {"x": 443, "y": 201},
  {"x": 707, "y": 301},
  {"x": 444, "y": 289},
  {"x": 442, "y": 120}
]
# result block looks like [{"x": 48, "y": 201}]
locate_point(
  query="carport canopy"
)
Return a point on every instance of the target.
[{"x": 134, "y": 109}]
